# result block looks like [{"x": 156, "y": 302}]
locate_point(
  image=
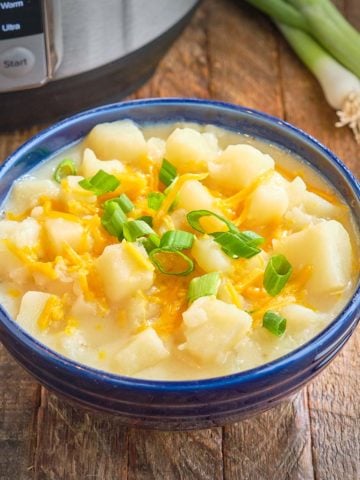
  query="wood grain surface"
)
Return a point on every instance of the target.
[{"x": 233, "y": 53}]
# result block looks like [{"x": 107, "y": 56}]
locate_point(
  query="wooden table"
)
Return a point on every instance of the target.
[{"x": 232, "y": 53}]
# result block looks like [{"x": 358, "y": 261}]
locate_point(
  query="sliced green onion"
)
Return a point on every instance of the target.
[
  {"x": 177, "y": 240},
  {"x": 251, "y": 237},
  {"x": 64, "y": 169},
  {"x": 194, "y": 217},
  {"x": 151, "y": 242},
  {"x": 236, "y": 245},
  {"x": 147, "y": 219},
  {"x": 204, "y": 286},
  {"x": 171, "y": 262},
  {"x": 277, "y": 273},
  {"x": 155, "y": 200},
  {"x": 167, "y": 173},
  {"x": 135, "y": 229},
  {"x": 124, "y": 203},
  {"x": 100, "y": 183},
  {"x": 276, "y": 324},
  {"x": 113, "y": 219}
]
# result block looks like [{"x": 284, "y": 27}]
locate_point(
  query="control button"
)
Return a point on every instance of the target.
[{"x": 16, "y": 62}]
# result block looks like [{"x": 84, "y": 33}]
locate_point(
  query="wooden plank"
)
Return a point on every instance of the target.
[
  {"x": 74, "y": 444},
  {"x": 175, "y": 455},
  {"x": 183, "y": 72},
  {"x": 19, "y": 397},
  {"x": 275, "y": 444},
  {"x": 352, "y": 12},
  {"x": 243, "y": 58},
  {"x": 333, "y": 396},
  {"x": 335, "y": 416}
]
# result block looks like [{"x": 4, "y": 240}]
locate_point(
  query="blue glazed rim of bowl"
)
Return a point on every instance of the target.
[{"x": 337, "y": 329}]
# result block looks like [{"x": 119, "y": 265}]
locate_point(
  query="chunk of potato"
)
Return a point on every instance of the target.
[
  {"x": 212, "y": 141},
  {"x": 26, "y": 193},
  {"x": 71, "y": 190},
  {"x": 209, "y": 256},
  {"x": 326, "y": 247},
  {"x": 121, "y": 140},
  {"x": 139, "y": 310},
  {"x": 212, "y": 328},
  {"x": 11, "y": 267},
  {"x": 179, "y": 220},
  {"x": 228, "y": 294},
  {"x": 144, "y": 350},
  {"x": 91, "y": 165},
  {"x": 23, "y": 234},
  {"x": 156, "y": 149},
  {"x": 318, "y": 206},
  {"x": 189, "y": 150},
  {"x": 9, "y": 299},
  {"x": 124, "y": 269},
  {"x": 238, "y": 166},
  {"x": 257, "y": 262},
  {"x": 60, "y": 231},
  {"x": 295, "y": 190},
  {"x": 31, "y": 308},
  {"x": 267, "y": 204},
  {"x": 75, "y": 346},
  {"x": 299, "y": 219},
  {"x": 299, "y": 318},
  {"x": 193, "y": 195}
]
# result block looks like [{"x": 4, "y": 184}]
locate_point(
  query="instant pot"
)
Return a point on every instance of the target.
[{"x": 60, "y": 56}]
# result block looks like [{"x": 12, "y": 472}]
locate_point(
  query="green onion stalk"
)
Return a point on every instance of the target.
[{"x": 328, "y": 45}]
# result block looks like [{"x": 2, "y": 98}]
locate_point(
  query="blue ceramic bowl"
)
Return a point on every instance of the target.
[{"x": 185, "y": 404}]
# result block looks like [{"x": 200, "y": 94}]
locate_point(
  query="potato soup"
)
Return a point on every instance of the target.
[{"x": 175, "y": 252}]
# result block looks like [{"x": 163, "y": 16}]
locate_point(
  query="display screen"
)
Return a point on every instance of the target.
[{"x": 20, "y": 18}]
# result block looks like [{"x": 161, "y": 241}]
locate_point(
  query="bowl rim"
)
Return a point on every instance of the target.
[{"x": 334, "y": 331}]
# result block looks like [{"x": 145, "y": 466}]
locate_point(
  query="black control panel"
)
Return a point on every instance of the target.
[{"x": 20, "y": 18}]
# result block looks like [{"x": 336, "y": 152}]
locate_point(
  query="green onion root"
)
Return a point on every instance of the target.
[{"x": 341, "y": 87}]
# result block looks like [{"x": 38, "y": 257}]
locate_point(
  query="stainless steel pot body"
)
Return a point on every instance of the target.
[{"x": 48, "y": 40}]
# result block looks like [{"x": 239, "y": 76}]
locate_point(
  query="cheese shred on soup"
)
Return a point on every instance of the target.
[{"x": 175, "y": 252}]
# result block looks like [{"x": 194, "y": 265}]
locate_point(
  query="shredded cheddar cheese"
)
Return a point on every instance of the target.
[
  {"x": 240, "y": 197},
  {"x": 52, "y": 313},
  {"x": 14, "y": 292},
  {"x": 136, "y": 255},
  {"x": 175, "y": 189},
  {"x": 28, "y": 258}
]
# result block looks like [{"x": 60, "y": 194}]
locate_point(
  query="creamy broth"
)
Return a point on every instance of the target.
[{"x": 102, "y": 301}]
